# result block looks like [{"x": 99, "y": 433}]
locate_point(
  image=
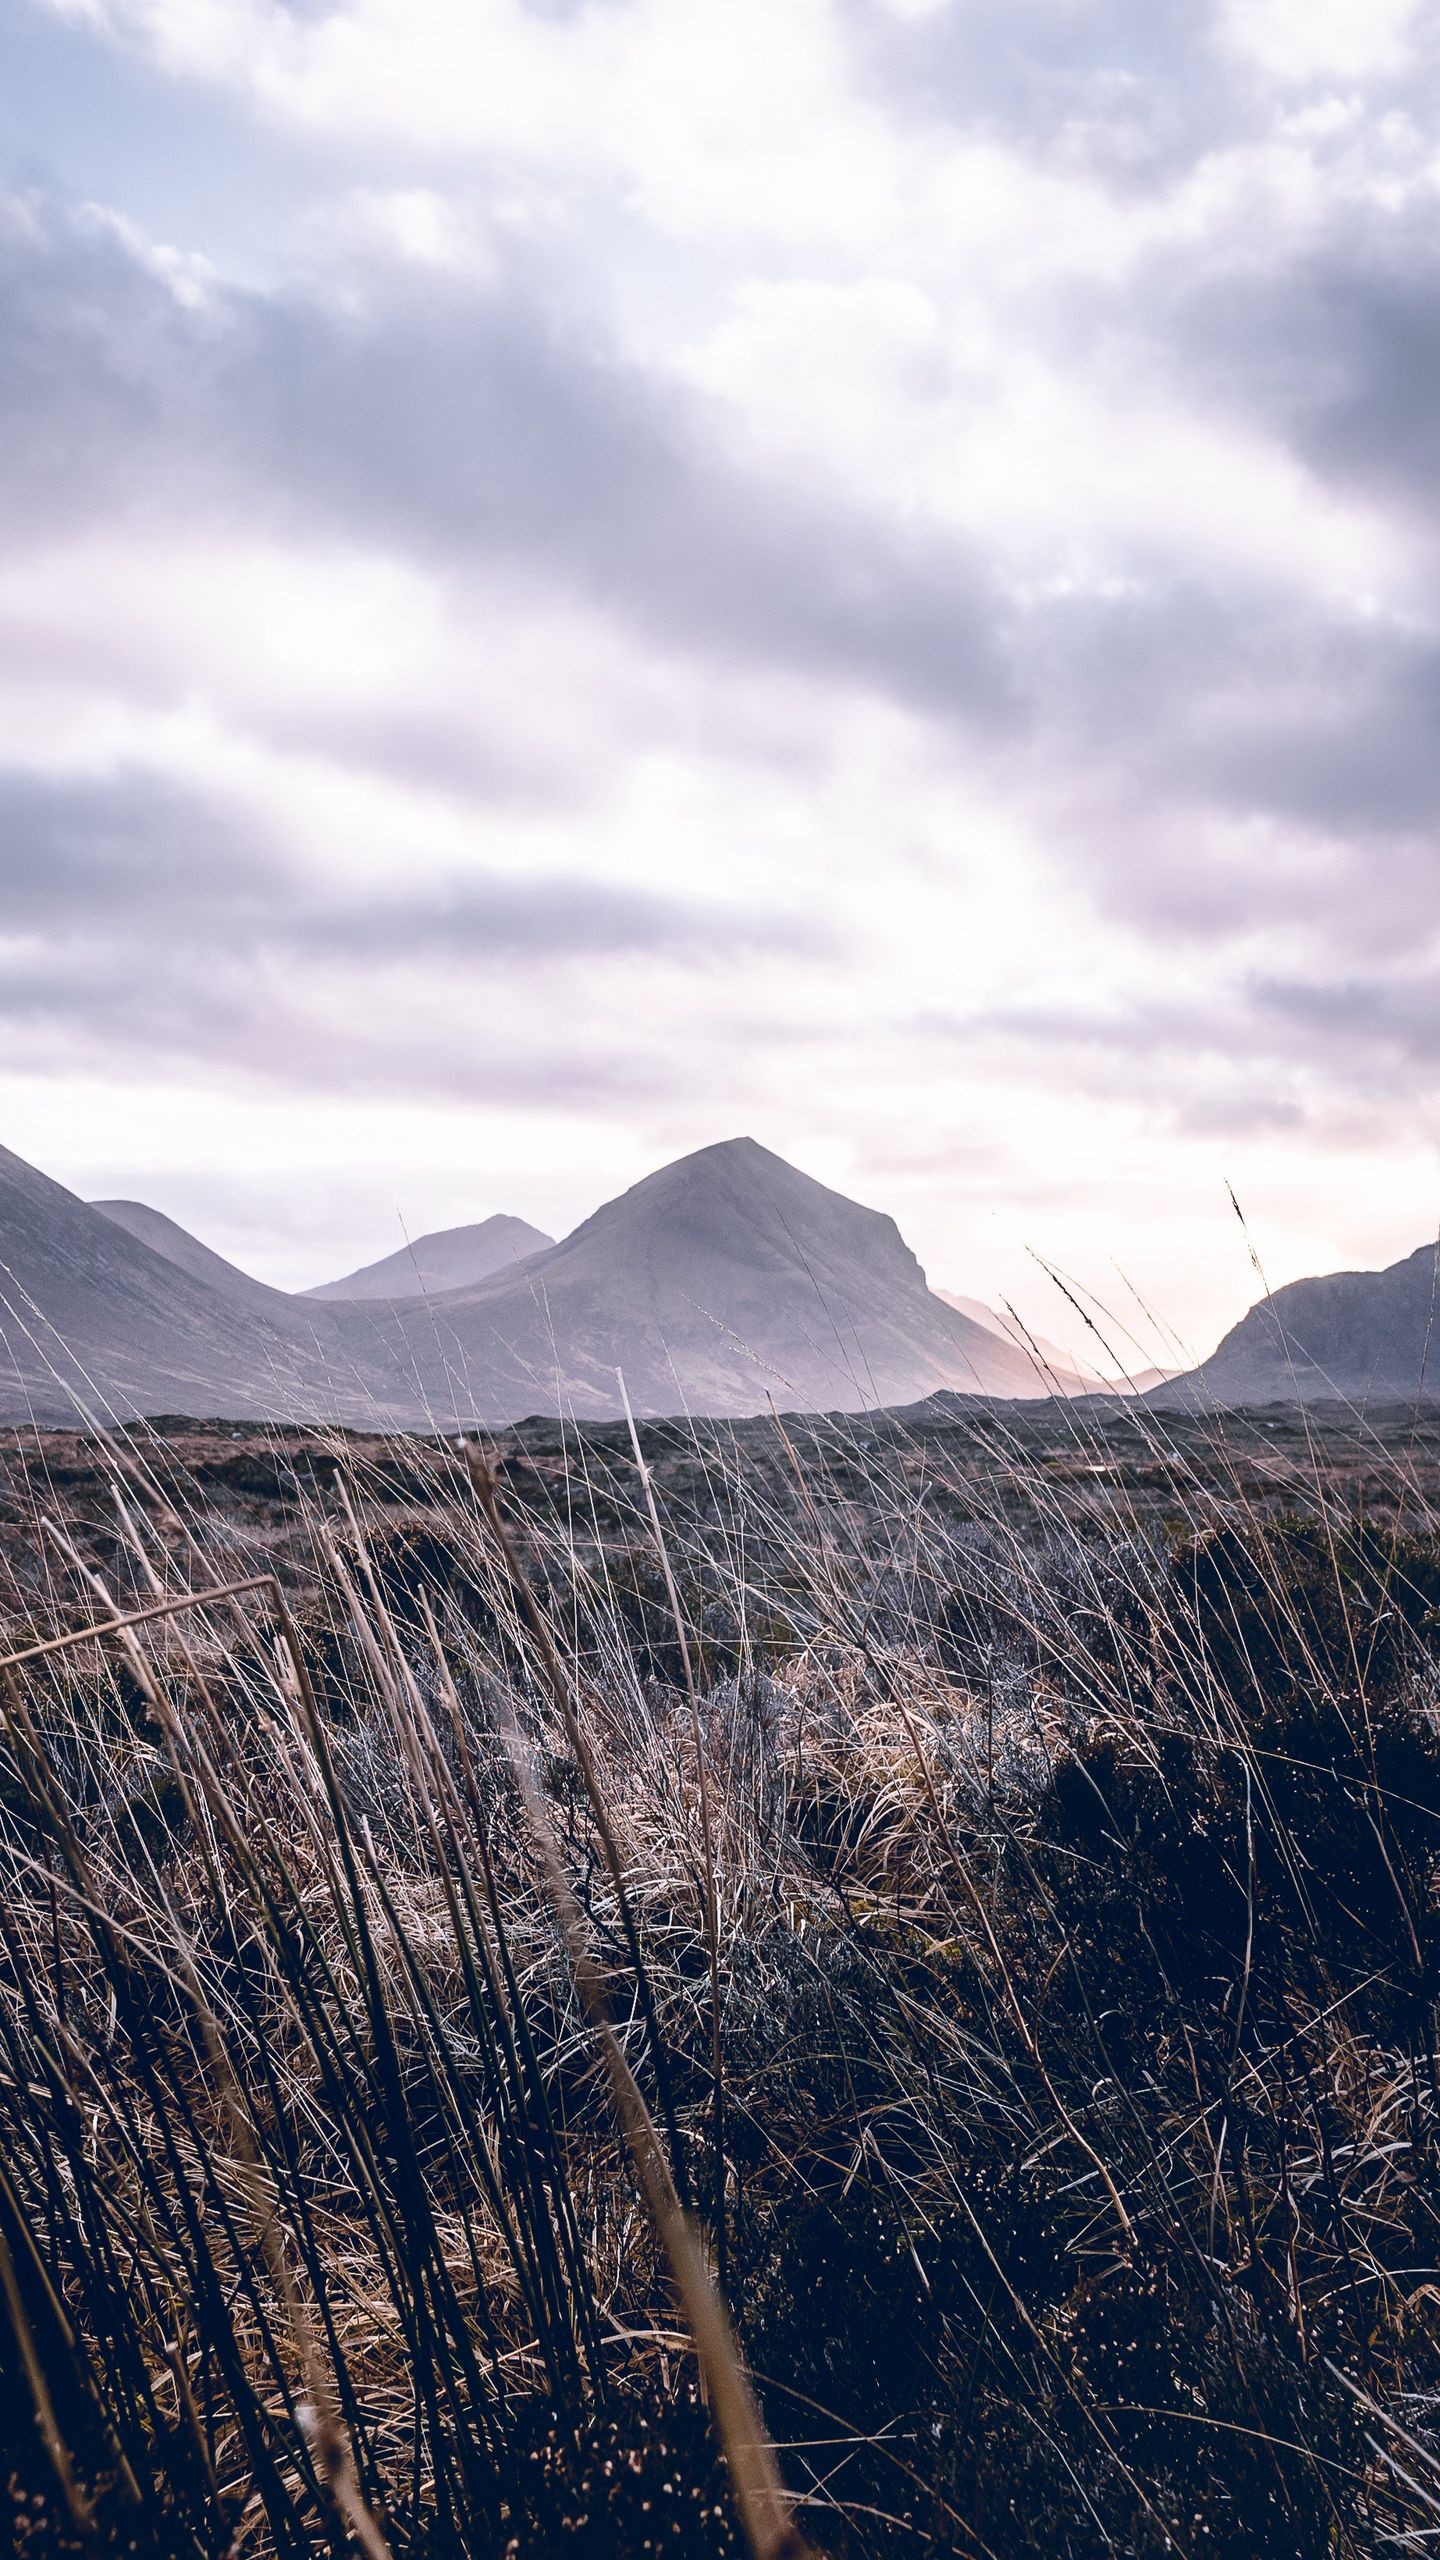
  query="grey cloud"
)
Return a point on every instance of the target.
[
  {"x": 1195, "y": 1064},
  {"x": 1182, "y": 722},
  {"x": 1117, "y": 1033},
  {"x": 465, "y": 427},
  {"x": 1359, "y": 760},
  {"x": 544, "y": 919},
  {"x": 1266, "y": 1054},
  {"x": 461, "y": 748},
  {"x": 1133, "y": 89},
  {"x": 1175, "y": 700},
  {"x": 1334, "y": 346},
  {"x": 149, "y": 875},
  {"x": 78, "y": 1013},
  {"x": 458, "y": 752},
  {"x": 142, "y": 922},
  {"x": 476, "y": 431},
  {"x": 1374, "y": 420},
  {"x": 98, "y": 373},
  {"x": 1377, "y": 1022},
  {"x": 470, "y": 430},
  {"x": 79, "y": 858}
]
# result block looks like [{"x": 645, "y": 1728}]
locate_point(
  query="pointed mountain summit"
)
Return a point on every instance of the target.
[
  {"x": 452, "y": 1258},
  {"x": 1371, "y": 1337},
  {"x": 718, "y": 1283}
]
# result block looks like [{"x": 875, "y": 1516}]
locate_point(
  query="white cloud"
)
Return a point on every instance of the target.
[
  {"x": 736, "y": 122},
  {"x": 1078, "y": 479},
  {"x": 1294, "y": 41}
]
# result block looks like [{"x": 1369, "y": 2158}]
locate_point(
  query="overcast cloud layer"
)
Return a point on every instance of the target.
[{"x": 580, "y": 577}]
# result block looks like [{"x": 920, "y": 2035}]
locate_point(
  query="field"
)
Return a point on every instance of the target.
[{"x": 967, "y": 1878}]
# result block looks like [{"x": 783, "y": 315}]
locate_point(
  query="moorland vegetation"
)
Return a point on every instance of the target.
[{"x": 1012, "y": 1927}]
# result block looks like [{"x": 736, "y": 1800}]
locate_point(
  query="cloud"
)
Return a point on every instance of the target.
[
  {"x": 1371, "y": 1026},
  {"x": 466, "y": 428},
  {"x": 717, "y": 536},
  {"x": 138, "y": 915},
  {"x": 460, "y": 429},
  {"x": 1338, "y": 350},
  {"x": 1233, "y": 1062},
  {"x": 655, "y": 102},
  {"x": 1247, "y": 710},
  {"x": 83, "y": 858},
  {"x": 1121, "y": 87},
  {"x": 1293, "y": 42}
]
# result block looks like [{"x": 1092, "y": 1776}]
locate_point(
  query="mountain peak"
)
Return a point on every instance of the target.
[
  {"x": 738, "y": 1198},
  {"x": 734, "y": 1156},
  {"x": 433, "y": 1265}
]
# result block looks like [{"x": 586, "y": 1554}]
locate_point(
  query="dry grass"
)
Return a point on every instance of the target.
[{"x": 1008, "y": 1955}]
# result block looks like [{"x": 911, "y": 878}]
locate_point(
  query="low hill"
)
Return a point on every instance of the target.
[
  {"x": 452, "y": 1258},
  {"x": 1366, "y": 1336}
]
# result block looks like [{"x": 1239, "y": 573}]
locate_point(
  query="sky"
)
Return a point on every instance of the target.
[{"x": 579, "y": 577}]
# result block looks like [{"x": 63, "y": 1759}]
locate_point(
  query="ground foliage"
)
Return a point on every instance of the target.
[{"x": 1071, "y": 2165}]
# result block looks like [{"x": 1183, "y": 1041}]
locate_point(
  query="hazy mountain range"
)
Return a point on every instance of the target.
[
  {"x": 1069, "y": 1375},
  {"x": 720, "y": 1283}
]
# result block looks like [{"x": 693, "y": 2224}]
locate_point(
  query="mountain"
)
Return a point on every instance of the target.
[
  {"x": 151, "y": 1227},
  {"x": 719, "y": 1282},
  {"x": 1367, "y": 1336},
  {"x": 94, "y": 1323},
  {"x": 453, "y": 1258},
  {"x": 1061, "y": 1368},
  {"x": 1068, "y": 1378},
  {"x": 724, "y": 1279}
]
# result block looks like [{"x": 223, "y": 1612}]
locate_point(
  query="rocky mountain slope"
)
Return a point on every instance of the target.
[
  {"x": 1366, "y": 1336},
  {"x": 164, "y": 1236},
  {"x": 718, "y": 1283}
]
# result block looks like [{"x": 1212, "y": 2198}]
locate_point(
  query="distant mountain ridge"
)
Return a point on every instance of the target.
[
  {"x": 718, "y": 1283},
  {"x": 1366, "y": 1336},
  {"x": 164, "y": 1236},
  {"x": 1070, "y": 1378},
  {"x": 451, "y": 1258}
]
